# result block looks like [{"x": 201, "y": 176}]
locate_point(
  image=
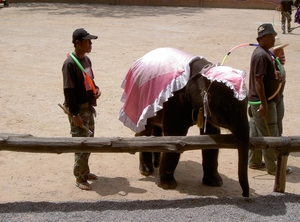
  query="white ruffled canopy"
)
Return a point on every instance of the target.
[{"x": 152, "y": 80}]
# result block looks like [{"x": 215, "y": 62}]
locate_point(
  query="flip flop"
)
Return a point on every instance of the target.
[
  {"x": 83, "y": 185},
  {"x": 92, "y": 176}
]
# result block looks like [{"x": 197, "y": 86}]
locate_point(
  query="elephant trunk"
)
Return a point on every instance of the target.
[
  {"x": 243, "y": 170},
  {"x": 242, "y": 140}
]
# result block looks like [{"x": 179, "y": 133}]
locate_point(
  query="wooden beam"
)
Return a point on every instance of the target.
[{"x": 28, "y": 143}]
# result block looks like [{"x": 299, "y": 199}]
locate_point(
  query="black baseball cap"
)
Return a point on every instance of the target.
[{"x": 80, "y": 34}]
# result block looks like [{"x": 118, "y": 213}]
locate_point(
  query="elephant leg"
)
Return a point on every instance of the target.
[
  {"x": 167, "y": 167},
  {"x": 211, "y": 176},
  {"x": 156, "y": 157},
  {"x": 146, "y": 166},
  {"x": 169, "y": 161},
  {"x": 156, "y": 131},
  {"x": 176, "y": 122}
]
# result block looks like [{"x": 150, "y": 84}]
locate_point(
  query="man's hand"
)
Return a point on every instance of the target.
[
  {"x": 98, "y": 94},
  {"x": 281, "y": 58},
  {"x": 77, "y": 120},
  {"x": 263, "y": 110}
]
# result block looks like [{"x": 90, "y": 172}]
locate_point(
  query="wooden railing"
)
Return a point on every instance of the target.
[{"x": 27, "y": 143}]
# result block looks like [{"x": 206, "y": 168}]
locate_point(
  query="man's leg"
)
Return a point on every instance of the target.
[
  {"x": 283, "y": 18},
  {"x": 255, "y": 156},
  {"x": 81, "y": 168},
  {"x": 267, "y": 126},
  {"x": 280, "y": 114},
  {"x": 289, "y": 19}
]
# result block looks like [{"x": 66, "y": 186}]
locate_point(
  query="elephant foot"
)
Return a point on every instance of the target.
[
  {"x": 145, "y": 169},
  {"x": 167, "y": 182},
  {"x": 214, "y": 181}
]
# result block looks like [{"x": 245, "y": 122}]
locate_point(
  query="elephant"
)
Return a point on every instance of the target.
[{"x": 181, "y": 110}]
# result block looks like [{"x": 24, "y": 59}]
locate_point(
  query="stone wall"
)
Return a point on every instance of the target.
[{"x": 254, "y": 4}]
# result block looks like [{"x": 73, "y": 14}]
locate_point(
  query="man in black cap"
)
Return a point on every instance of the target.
[
  {"x": 263, "y": 85},
  {"x": 81, "y": 93}
]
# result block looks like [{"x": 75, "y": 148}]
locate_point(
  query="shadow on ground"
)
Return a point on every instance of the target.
[
  {"x": 275, "y": 203},
  {"x": 102, "y": 11},
  {"x": 188, "y": 175}
]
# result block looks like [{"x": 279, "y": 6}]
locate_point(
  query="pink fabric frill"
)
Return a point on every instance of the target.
[
  {"x": 233, "y": 78},
  {"x": 151, "y": 81}
]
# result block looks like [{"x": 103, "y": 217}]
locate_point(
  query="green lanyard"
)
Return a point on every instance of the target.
[{"x": 86, "y": 75}]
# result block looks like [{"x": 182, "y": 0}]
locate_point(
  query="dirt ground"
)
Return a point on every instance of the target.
[{"x": 35, "y": 39}]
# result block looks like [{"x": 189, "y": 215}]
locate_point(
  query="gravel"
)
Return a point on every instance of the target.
[{"x": 273, "y": 207}]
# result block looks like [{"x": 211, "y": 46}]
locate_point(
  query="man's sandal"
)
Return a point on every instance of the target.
[
  {"x": 83, "y": 185},
  {"x": 92, "y": 176}
]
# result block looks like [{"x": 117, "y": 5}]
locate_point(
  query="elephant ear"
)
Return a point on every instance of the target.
[{"x": 195, "y": 91}]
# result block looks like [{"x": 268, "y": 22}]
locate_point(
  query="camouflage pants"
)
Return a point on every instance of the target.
[
  {"x": 81, "y": 166},
  {"x": 286, "y": 18}
]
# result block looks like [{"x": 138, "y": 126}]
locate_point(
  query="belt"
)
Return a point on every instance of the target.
[{"x": 83, "y": 105}]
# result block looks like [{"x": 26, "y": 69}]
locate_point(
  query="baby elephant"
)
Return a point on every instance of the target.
[{"x": 167, "y": 91}]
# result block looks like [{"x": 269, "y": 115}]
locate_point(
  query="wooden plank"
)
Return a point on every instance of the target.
[{"x": 28, "y": 143}]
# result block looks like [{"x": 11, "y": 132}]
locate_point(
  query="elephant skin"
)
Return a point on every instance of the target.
[{"x": 179, "y": 113}]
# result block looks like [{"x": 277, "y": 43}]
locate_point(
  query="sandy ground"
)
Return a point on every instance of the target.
[{"x": 35, "y": 39}]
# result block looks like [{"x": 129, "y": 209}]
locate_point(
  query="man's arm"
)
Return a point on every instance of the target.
[
  {"x": 70, "y": 99},
  {"x": 260, "y": 90},
  {"x": 73, "y": 106}
]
